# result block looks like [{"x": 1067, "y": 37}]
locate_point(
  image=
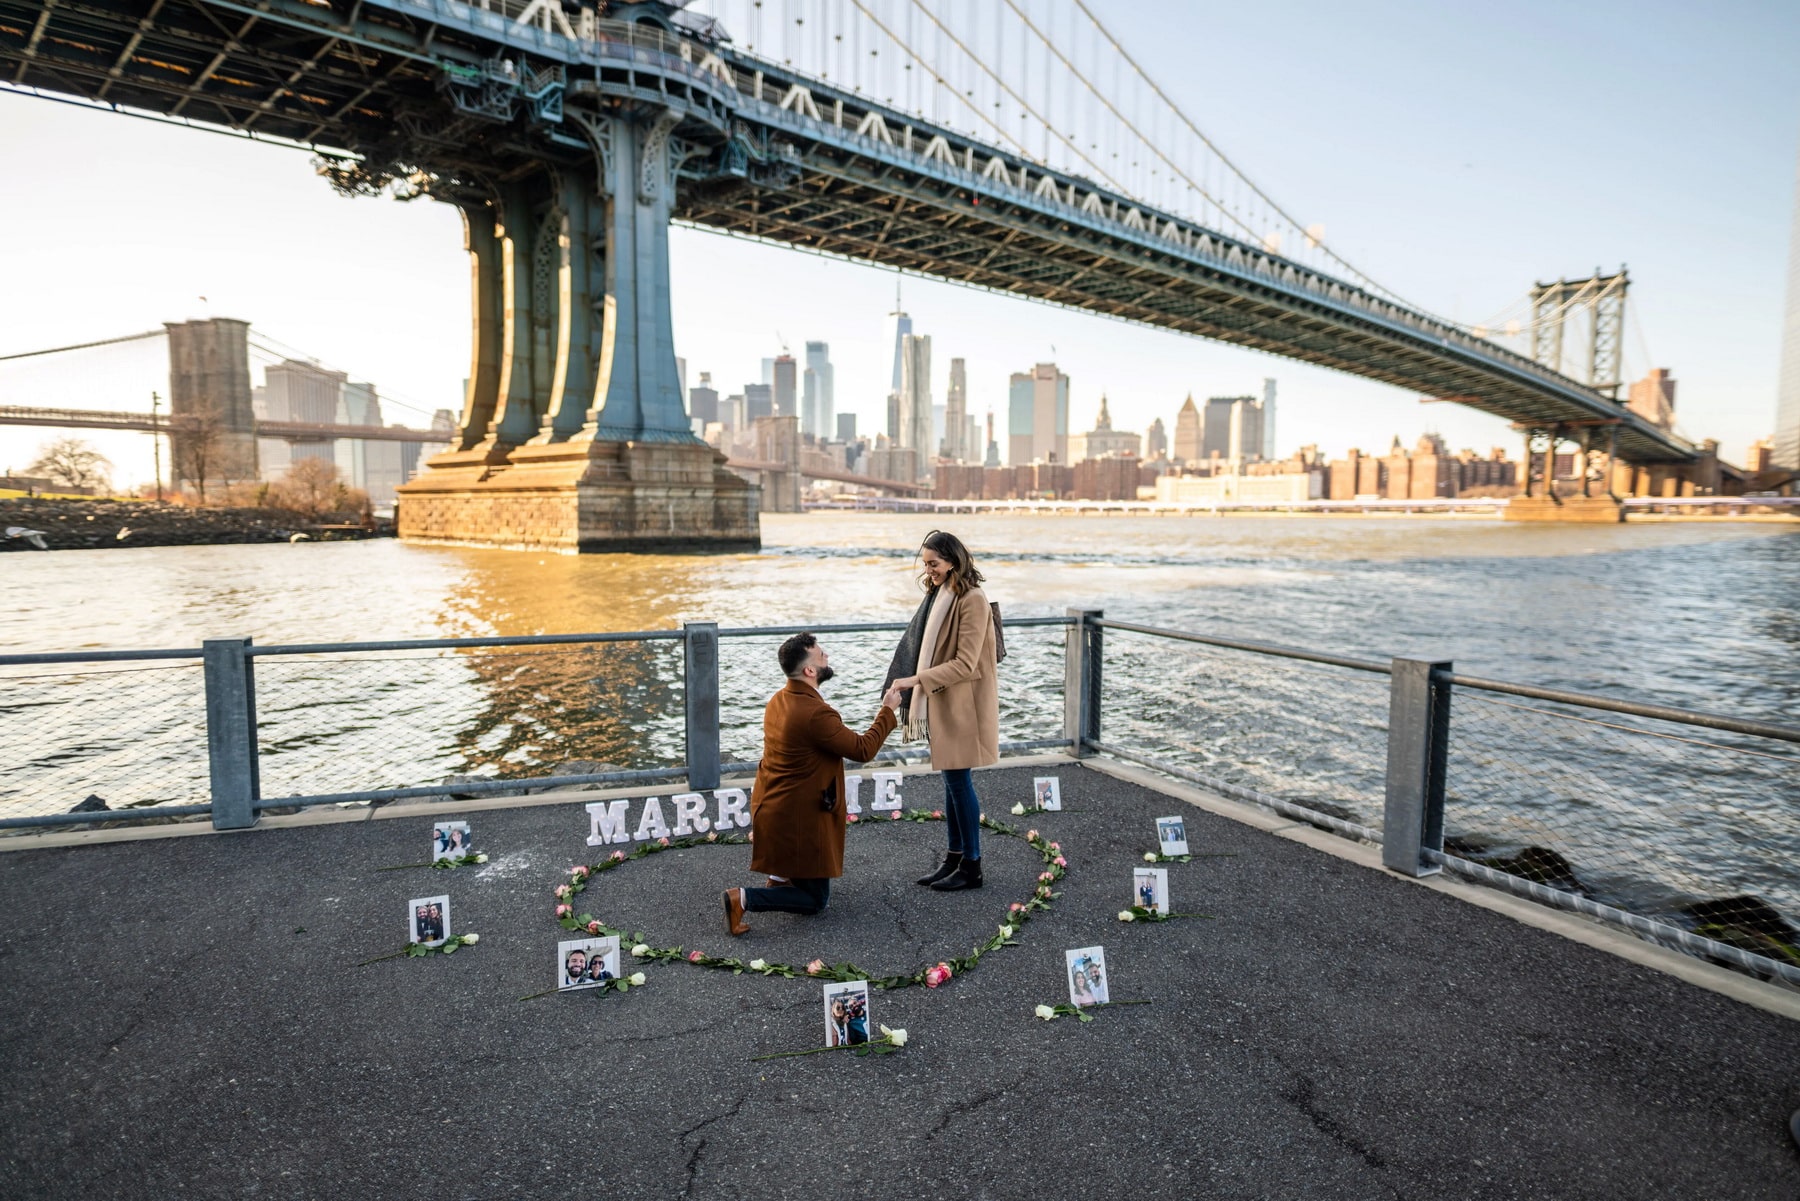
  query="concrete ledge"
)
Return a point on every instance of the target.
[{"x": 1771, "y": 998}]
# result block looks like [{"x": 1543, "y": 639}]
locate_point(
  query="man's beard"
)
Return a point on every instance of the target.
[{"x": 825, "y": 674}]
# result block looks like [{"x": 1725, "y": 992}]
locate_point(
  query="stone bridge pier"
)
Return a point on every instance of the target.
[{"x": 574, "y": 434}]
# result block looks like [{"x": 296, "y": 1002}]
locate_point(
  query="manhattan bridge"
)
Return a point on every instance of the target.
[{"x": 1014, "y": 146}]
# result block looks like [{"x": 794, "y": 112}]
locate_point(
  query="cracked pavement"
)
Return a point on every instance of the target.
[{"x": 184, "y": 1018}]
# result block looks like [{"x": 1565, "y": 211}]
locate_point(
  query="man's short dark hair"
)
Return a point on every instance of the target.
[{"x": 793, "y": 653}]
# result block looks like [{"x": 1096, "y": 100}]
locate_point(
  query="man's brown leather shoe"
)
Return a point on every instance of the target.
[{"x": 734, "y": 913}]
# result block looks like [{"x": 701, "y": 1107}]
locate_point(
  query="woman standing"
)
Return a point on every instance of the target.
[{"x": 955, "y": 700}]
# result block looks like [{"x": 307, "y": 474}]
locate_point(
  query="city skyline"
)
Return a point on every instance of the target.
[{"x": 380, "y": 289}]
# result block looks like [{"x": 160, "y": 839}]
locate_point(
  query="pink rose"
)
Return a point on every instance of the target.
[
  {"x": 562, "y": 890},
  {"x": 695, "y": 956},
  {"x": 1015, "y": 907},
  {"x": 1031, "y": 836},
  {"x": 579, "y": 872},
  {"x": 937, "y": 814},
  {"x": 593, "y": 927},
  {"x": 894, "y": 816},
  {"x": 1060, "y": 861},
  {"x": 935, "y": 976},
  {"x": 815, "y": 967},
  {"x": 662, "y": 842},
  {"x": 562, "y": 911},
  {"x": 618, "y": 856},
  {"x": 1056, "y": 846},
  {"x": 851, "y": 818},
  {"x": 1046, "y": 877}
]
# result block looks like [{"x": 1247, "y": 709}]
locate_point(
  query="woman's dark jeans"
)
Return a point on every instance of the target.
[
  {"x": 962, "y": 813},
  {"x": 806, "y": 897}
]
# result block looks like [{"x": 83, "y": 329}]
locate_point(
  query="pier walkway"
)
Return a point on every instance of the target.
[{"x": 185, "y": 1019}]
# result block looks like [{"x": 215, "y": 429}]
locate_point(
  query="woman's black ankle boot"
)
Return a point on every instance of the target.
[
  {"x": 948, "y": 868},
  {"x": 966, "y": 875}
]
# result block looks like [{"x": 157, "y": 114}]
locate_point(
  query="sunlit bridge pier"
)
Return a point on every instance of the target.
[{"x": 570, "y": 141}]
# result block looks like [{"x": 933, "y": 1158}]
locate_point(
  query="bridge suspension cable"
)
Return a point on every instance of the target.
[{"x": 31, "y": 354}]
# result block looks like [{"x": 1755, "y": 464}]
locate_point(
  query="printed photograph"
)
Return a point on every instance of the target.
[
  {"x": 586, "y": 962},
  {"x": 1171, "y": 835},
  {"x": 450, "y": 840},
  {"x": 428, "y": 920},
  {"x": 847, "y": 1013},
  {"x": 1048, "y": 790},
  {"x": 1150, "y": 888},
  {"x": 1087, "y": 975}
]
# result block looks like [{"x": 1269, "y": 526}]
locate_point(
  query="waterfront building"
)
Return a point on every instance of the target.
[
  {"x": 1156, "y": 441},
  {"x": 1215, "y": 427},
  {"x": 957, "y": 446},
  {"x": 1653, "y": 398},
  {"x": 297, "y": 391},
  {"x": 1786, "y": 452},
  {"x": 1760, "y": 457},
  {"x": 915, "y": 397},
  {"x": 1188, "y": 437},
  {"x": 1267, "y": 450},
  {"x": 1270, "y": 489},
  {"x": 1108, "y": 477},
  {"x": 1037, "y": 419},
  {"x": 786, "y": 387},
  {"x": 846, "y": 427}
]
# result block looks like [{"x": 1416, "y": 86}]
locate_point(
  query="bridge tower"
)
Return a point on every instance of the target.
[
  {"x": 212, "y": 427},
  {"x": 1603, "y": 298},
  {"x": 574, "y": 433}
]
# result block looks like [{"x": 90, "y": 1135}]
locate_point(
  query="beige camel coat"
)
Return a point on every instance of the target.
[
  {"x": 805, "y": 744},
  {"x": 963, "y": 714}
]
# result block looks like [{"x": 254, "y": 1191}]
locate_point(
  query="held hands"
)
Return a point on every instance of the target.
[{"x": 891, "y": 698}]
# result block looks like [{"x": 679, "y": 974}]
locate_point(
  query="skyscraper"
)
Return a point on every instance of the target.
[
  {"x": 1215, "y": 427},
  {"x": 1156, "y": 442},
  {"x": 1037, "y": 416},
  {"x": 1187, "y": 432},
  {"x": 1268, "y": 421},
  {"x": 902, "y": 326},
  {"x": 956, "y": 415},
  {"x": 821, "y": 398},
  {"x": 786, "y": 384},
  {"x": 1787, "y": 396},
  {"x": 915, "y": 396},
  {"x": 703, "y": 401},
  {"x": 758, "y": 402},
  {"x": 992, "y": 458}
]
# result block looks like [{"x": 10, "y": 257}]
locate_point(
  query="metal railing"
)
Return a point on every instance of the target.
[{"x": 1675, "y": 824}]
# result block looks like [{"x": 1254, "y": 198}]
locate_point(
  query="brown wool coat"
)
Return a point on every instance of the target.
[
  {"x": 805, "y": 744},
  {"x": 963, "y": 714}
]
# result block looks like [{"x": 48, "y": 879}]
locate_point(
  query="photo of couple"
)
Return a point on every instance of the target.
[
  {"x": 451, "y": 840},
  {"x": 1171, "y": 835},
  {"x": 1048, "y": 792},
  {"x": 586, "y": 962},
  {"x": 1087, "y": 976},
  {"x": 1150, "y": 888},
  {"x": 847, "y": 1014},
  {"x": 428, "y": 920}
]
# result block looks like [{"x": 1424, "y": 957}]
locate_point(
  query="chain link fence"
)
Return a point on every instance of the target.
[
  {"x": 1252, "y": 726},
  {"x": 109, "y": 735},
  {"x": 1690, "y": 827}
]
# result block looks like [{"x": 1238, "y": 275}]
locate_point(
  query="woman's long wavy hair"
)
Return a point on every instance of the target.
[{"x": 948, "y": 547}]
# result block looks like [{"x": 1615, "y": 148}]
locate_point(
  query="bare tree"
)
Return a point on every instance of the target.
[
  {"x": 311, "y": 487},
  {"x": 195, "y": 439},
  {"x": 73, "y": 463}
]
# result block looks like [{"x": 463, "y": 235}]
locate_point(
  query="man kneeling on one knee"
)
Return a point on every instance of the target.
[{"x": 797, "y": 807}]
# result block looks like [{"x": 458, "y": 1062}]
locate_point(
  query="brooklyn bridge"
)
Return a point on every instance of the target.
[{"x": 570, "y": 137}]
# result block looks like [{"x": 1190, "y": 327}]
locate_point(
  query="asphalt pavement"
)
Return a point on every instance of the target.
[{"x": 185, "y": 1017}]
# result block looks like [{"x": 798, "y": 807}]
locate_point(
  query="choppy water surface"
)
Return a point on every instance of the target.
[{"x": 1703, "y": 616}]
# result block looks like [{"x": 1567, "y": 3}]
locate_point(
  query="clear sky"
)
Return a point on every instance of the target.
[{"x": 1457, "y": 153}]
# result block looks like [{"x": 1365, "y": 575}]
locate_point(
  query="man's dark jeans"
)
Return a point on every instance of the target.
[{"x": 806, "y": 897}]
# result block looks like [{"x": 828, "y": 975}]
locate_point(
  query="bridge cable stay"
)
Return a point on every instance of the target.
[
  {"x": 31, "y": 354},
  {"x": 281, "y": 352}
]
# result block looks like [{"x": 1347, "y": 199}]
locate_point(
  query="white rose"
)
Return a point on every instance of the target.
[
  {"x": 757, "y": 965},
  {"x": 1149, "y": 856},
  {"x": 636, "y": 979},
  {"x": 897, "y": 1037},
  {"x": 643, "y": 948},
  {"x": 481, "y": 858},
  {"x": 1045, "y": 1012},
  {"x": 1018, "y": 808},
  {"x": 1006, "y": 931},
  {"x": 1126, "y": 915},
  {"x": 471, "y": 939}
]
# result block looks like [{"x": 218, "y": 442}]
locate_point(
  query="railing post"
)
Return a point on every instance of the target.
[
  {"x": 1081, "y": 682},
  {"x": 700, "y": 646},
  {"x": 231, "y": 732},
  {"x": 1417, "y": 755}
]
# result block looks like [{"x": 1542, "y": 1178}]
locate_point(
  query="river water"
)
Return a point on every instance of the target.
[{"x": 1702, "y": 616}]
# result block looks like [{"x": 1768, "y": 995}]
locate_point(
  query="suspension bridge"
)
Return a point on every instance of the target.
[{"x": 980, "y": 144}]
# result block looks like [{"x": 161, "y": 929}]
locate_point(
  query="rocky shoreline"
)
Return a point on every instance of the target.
[{"x": 63, "y": 524}]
